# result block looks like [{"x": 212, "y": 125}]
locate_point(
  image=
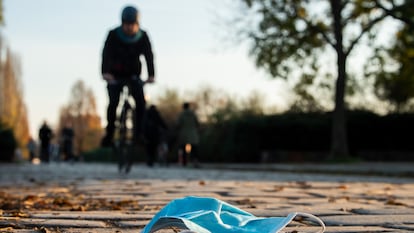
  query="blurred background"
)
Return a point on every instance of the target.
[{"x": 271, "y": 81}]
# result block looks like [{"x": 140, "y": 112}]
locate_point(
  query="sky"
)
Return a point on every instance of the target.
[{"x": 59, "y": 42}]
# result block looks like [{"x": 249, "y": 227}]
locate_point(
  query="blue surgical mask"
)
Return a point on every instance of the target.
[{"x": 210, "y": 215}]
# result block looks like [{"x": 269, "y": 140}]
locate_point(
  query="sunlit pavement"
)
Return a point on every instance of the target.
[{"x": 82, "y": 197}]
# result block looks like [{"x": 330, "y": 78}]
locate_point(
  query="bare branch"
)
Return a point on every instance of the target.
[
  {"x": 324, "y": 35},
  {"x": 364, "y": 30},
  {"x": 394, "y": 13}
]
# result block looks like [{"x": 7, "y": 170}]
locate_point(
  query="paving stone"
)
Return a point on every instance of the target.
[
  {"x": 406, "y": 226},
  {"x": 34, "y": 222},
  {"x": 383, "y": 211},
  {"x": 368, "y": 220},
  {"x": 91, "y": 215},
  {"x": 346, "y": 203},
  {"x": 99, "y": 230},
  {"x": 132, "y": 224},
  {"x": 359, "y": 229}
]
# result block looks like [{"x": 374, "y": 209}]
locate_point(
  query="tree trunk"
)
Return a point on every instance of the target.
[{"x": 339, "y": 143}]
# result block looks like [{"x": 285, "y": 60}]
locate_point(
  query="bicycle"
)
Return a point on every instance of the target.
[{"x": 124, "y": 145}]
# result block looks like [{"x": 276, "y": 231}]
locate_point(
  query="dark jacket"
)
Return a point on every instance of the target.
[
  {"x": 154, "y": 125},
  {"x": 120, "y": 56},
  {"x": 45, "y": 134},
  {"x": 188, "y": 126}
]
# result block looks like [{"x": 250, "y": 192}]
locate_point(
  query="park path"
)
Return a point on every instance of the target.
[{"x": 83, "y": 197}]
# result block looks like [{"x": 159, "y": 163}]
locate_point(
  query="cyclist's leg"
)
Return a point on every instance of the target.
[
  {"x": 114, "y": 91},
  {"x": 122, "y": 142},
  {"x": 137, "y": 92}
]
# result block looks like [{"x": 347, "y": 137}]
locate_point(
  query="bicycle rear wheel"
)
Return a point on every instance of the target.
[
  {"x": 124, "y": 146},
  {"x": 124, "y": 154}
]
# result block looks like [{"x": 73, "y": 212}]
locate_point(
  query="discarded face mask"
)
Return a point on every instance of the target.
[{"x": 210, "y": 215}]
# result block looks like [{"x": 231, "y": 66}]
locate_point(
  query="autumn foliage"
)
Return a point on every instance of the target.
[{"x": 13, "y": 112}]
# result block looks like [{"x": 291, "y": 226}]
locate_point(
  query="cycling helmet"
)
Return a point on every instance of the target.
[{"x": 130, "y": 15}]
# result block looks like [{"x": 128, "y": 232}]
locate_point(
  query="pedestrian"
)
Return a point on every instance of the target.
[
  {"x": 162, "y": 151},
  {"x": 188, "y": 135},
  {"x": 121, "y": 66},
  {"x": 154, "y": 129},
  {"x": 45, "y": 136},
  {"x": 31, "y": 147},
  {"x": 54, "y": 151},
  {"x": 67, "y": 135}
]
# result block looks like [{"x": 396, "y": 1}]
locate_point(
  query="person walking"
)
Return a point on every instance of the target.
[
  {"x": 45, "y": 136},
  {"x": 31, "y": 147},
  {"x": 121, "y": 66},
  {"x": 188, "y": 135},
  {"x": 154, "y": 128},
  {"x": 67, "y": 135}
]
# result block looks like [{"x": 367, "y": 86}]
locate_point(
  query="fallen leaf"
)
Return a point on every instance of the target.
[
  {"x": 303, "y": 184},
  {"x": 6, "y": 229},
  {"x": 278, "y": 188},
  {"x": 393, "y": 201},
  {"x": 342, "y": 187}
]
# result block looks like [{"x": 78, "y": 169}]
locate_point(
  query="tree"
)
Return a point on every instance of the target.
[
  {"x": 13, "y": 112},
  {"x": 207, "y": 101},
  {"x": 393, "y": 71},
  {"x": 253, "y": 104},
  {"x": 1, "y": 13},
  {"x": 81, "y": 112},
  {"x": 289, "y": 38},
  {"x": 169, "y": 105},
  {"x": 8, "y": 144},
  {"x": 309, "y": 94}
]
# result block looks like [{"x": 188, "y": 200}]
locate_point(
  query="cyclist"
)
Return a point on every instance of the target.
[{"x": 121, "y": 66}]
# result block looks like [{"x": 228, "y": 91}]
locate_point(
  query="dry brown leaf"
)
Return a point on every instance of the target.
[
  {"x": 278, "y": 188},
  {"x": 304, "y": 184},
  {"x": 44, "y": 230},
  {"x": 78, "y": 208},
  {"x": 343, "y": 186},
  {"x": 393, "y": 201},
  {"x": 41, "y": 204},
  {"x": 6, "y": 229},
  {"x": 62, "y": 201},
  {"x": 21, "y": 214},
  {"x": 10, "y": 204},
  {"x": 30, "y": 198},
  {"x": 246, "y": 201}
]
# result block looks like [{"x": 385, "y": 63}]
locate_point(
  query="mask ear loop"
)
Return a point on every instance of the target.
[{"x": 314, "y": 218}]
